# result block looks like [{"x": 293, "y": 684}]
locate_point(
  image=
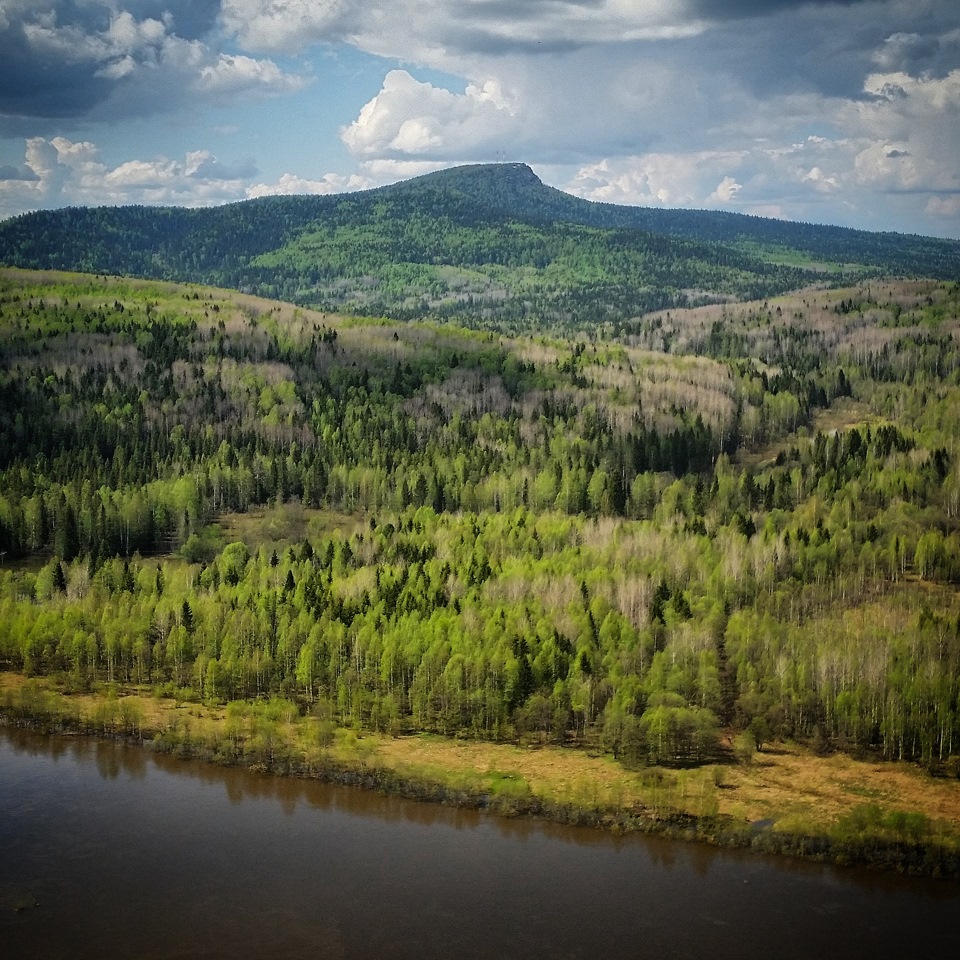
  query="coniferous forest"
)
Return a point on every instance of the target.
[{"x": 735, "y": 520}]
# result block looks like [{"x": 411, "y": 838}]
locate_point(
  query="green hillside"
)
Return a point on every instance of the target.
[
  {"x": 515, "y": 189},
  {"x": 407, "y": 527},
  {"x": 485, "y": 246}
]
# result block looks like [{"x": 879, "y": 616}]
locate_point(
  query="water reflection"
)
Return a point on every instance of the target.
[
  {"x": 131, "y": 854},
  {"x": 241, "y": 785},
  {"x": 112, "y": 759}
]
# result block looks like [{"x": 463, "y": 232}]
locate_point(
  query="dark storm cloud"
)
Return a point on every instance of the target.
[
  {"x": 827, "y": 48},
  {"x": 91, "y": 17},
  {"x": 505, "y": 27},
  {"x": 55, "y": 67},
  {"x": 103, "y": 61},
  {"x": 189, "y": 19},
  {"x": 737, "y": 9},
  {"x": 787, "y": 55},
  {"x": 42, "y": 85},
  {"x": 932, "y": 53}
]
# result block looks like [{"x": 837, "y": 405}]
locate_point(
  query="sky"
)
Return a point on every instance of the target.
[{"x": 825, "y": 111}]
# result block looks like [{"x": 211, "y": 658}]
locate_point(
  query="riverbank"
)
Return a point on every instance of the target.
[{"x": 787, "y": 800}]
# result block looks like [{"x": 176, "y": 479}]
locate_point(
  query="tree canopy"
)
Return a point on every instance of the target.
[{"x": 736, "y": 517}]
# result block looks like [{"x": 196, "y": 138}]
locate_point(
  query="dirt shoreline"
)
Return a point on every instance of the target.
[{"x": 563, "y": 785}]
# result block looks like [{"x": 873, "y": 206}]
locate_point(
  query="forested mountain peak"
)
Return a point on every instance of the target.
[
  {"x": 486, "y": 245},
  {"x": 507, "y": 187},
  {"x": 461, "y": 177},
  {"x": 514, "y": 188}
]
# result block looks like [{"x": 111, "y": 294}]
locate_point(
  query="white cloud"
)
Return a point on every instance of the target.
[
  {"x": 143, "y": 175},
  {"x": 372, "y": 173},
  {"x": 290, "y": 184},
  {"x": 59, "y": 172},
  {"x": 71, "y": 173},
  {"x": 381, "y": 171},
  {"x": 125, "y": 38},
  {"x": 126, "y": 33},
  {"x": 282, "y": 25},
  {"x": 117, "y": 69},
  {"x": 660, "y": 179},
  {"x": 886, "y": 166},
  {"x": 42, "y": 157},
  {"x": 820, "y": 180},
  {"x": 408, "y": 118},
  {"x": 726, "y": 190},
  {"x": 909, "y": 131},
  {"x": 914, "y": 95},
  {"x": 95, "y": 59},
  {"x": 234, "y": 75}
]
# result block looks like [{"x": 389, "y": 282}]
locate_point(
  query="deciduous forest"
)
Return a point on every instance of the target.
[{"x": 730, "y": 523}]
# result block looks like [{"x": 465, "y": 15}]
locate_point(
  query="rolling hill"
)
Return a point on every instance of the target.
[
  {"x": 738, "y": 527},
  {"x": 487, "y": 246}
]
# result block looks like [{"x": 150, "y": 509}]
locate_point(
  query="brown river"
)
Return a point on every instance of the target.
[{"x": 109, "y": 851}]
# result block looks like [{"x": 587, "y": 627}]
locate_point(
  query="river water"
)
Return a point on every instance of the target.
[{"x": 109, "y": 851}]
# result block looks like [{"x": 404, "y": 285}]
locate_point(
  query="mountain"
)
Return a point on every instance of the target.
[
  {"x": 516, "y": 189},
  {"x": 487, "y": 245}
]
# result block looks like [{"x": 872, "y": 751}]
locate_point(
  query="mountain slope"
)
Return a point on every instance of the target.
[
  {"x": 485, "y": 245},
  {"x": 516, "y": 189}
]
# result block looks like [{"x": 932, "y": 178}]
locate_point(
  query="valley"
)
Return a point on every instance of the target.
[
  {"x": 680, "y": 561},
  {"x": 704, "y": 532}
]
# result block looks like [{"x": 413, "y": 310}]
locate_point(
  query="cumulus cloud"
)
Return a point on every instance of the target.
[
  {"x": 384, "y": 170},
  {"x": 409, "y": 118},
  {"x": 813, "y": 109},
  {"x": 284, "y": 25},
  {"x": 924, "y": 95},
  {"x": 291, "y": 185},
  {"x": 820, "y": 180},
  {"x": 107, "y": 60},
  {"x": 60, "y": 172},
  {"x": 371, "y": 173},
  {"x": 660, "y": 179},
  {"x": 726, "y": 190},
  {"x": 910, "y": 128},
  {"x": 234, "y": 75}
]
